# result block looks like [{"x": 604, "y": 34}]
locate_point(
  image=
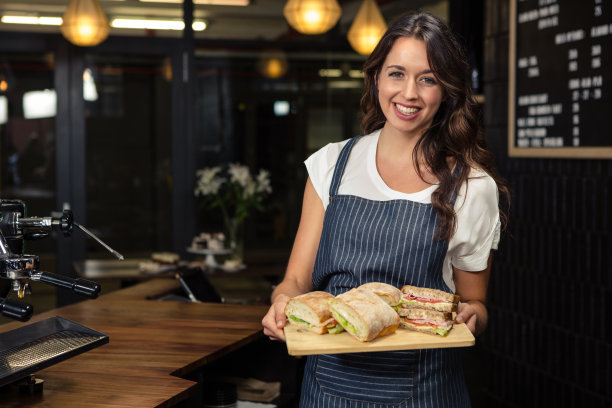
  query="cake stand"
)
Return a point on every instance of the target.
[{"x": 210, "y": 260}]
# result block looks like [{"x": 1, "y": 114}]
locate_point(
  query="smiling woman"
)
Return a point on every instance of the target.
[{"x": 392, "y": 206}]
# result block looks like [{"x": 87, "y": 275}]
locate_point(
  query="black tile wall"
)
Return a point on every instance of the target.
[{"x": 549, "y": 337}]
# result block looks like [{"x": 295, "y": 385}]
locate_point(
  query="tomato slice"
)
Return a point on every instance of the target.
[{"x": 421, "y": 324}]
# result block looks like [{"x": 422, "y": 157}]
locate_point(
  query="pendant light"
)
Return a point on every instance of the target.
[
  {"x": 273, "y": 64},
  {"x": 312, "y": 16},
  {"x": 367, "y": 28},
  {"x": 84, "y": 23}
]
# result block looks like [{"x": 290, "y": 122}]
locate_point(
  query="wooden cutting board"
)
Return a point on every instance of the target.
[{"x": 301, "y": 342}]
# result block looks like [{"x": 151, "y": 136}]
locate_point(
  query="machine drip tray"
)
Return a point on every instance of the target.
[{"x": 31, "y": 348}]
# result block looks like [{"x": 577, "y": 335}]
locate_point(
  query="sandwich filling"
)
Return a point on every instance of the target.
[
  {"x": 438, "y": 327},
  {"x": 429, "y": 299},
  {"x": 342, "y": 320},
  {"x": 330, "y": 324},
  {"x": 429, "y": 321},
  {"x": 445, "y": 324},
  {"x": 302, "y": 321},
  {"x": 410, "y": 298}
]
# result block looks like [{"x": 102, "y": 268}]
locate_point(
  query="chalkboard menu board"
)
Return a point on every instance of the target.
[{"x": 560, "y": 86}]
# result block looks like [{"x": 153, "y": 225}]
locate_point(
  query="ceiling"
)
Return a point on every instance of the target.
[{"x": 260, "y": 20}]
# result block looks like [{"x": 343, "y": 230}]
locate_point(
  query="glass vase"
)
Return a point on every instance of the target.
[{"x": 236, "y": 243}]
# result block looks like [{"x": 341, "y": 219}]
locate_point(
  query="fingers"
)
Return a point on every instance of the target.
[
  {"x": 276, "y": 335},
  {"x": 471, "y": 323},
  {"x": 467, "y": 314},
  {"x": 272, "y": 330},
  {"x": 274, "y": 321},
  {"x": 461, "y": 313},
  {"x": 280, "y": 319}
]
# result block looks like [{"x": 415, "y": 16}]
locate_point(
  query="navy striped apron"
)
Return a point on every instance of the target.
[{"x": 384, "y": 241}]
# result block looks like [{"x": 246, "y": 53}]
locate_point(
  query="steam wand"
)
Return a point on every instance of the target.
[{"x": 91, "y": 234}]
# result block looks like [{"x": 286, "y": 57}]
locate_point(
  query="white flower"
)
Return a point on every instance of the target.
[
  {"x": 263, "y": 182},
  {"x": 249, "y": 190},
  {"x": 233, "y": 189},
  {"x": 208, "y": 182},
  {"x": 239, "y": 174},
  {"x": 207, "y": 174}
]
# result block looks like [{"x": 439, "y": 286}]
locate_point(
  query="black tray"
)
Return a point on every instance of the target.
[{"x": 28, "y": 349}]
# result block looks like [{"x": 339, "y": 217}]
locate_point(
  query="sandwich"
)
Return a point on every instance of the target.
[
  {"x": 311, "y": 311},
  {"x": 426, "y": 298},
  {"x": 389, "y": 293},
  {"x": 363, "y": 314},
  {"x": 426, "y": 320}
]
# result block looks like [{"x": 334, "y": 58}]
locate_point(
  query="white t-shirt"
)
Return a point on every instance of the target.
[{"x": 477, "y": 211}]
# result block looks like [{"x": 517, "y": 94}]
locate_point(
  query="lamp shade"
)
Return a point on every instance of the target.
[
  {"x": 84, "y": 23},
  {"x": 367, "y": 28},
  {"x": 312, "y": 16},
  {"x": 273, "y": 66}
]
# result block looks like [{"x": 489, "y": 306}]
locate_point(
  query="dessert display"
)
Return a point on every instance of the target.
[{"x": 209, "y": 240}]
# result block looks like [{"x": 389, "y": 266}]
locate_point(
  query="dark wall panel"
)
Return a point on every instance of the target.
[{"x": 548, "y": 341}]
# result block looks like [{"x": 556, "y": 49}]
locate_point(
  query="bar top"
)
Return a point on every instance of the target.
[{"x": 151, "y": 344}]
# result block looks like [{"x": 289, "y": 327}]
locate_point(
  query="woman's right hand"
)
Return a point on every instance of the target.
[{"x": 274, "y": 321}]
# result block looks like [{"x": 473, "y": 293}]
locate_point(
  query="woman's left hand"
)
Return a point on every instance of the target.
[
  {"x": 466, "y": 313},
  {"x": 472, "y": 289}
]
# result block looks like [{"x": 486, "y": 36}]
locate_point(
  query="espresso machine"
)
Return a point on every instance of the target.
[
  {"x": 17, "y": 269},
  {"x": 32, "y": 347}
]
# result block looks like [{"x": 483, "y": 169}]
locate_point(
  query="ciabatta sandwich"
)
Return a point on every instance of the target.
[
  {"x": 426, "y": 298},
  {"x": 426, "y": 321},
  {"x": 389, "y": 293},
  {"x": 311, "y": 311},
  {"x": 363, "y": 314}
]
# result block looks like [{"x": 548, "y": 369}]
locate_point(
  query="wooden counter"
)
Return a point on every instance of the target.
[
  {"x": 252, "y": 285},
  {"x": 152, "y": 343}
]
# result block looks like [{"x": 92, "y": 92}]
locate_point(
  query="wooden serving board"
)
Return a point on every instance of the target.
[{"x": 301, "y": 342}]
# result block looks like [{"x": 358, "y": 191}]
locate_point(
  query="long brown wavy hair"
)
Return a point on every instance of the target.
[{"x": 455, "y": 132}]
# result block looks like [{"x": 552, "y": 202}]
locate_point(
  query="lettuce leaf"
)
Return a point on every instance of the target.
[{"x": 297, "y": 319}]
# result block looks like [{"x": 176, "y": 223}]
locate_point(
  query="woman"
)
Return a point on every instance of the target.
[{"x": 414, "y": 201}]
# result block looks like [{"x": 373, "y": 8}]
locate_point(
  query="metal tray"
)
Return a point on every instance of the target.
[{"x": 31, "y": 348}]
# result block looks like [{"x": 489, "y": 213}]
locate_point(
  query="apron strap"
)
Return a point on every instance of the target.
[
  {"x": 341, "y": 164},
  {"x": 453, "y": 197}
]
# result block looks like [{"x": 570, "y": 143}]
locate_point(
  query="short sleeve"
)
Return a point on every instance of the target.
[
  {"x": 478, "y": 223},
  {"x": 320, "y": 166}
]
